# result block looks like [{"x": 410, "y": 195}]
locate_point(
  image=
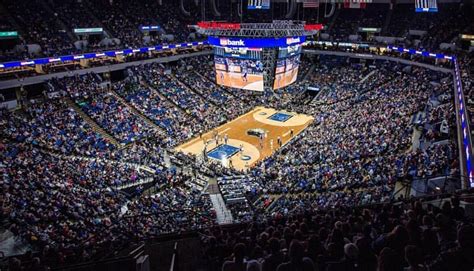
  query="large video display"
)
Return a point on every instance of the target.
[
  {"x": 239, "y": 73},
  {"x": 287, "y": 65},
  {"x": 286, "y": 71},
  {"x": 238, "y": 66}
]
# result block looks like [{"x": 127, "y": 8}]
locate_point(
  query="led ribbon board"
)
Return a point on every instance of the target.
[
  {"x": 127, "y": 51},
  {"x": 460, "y": 97},
  {"x": 255, "y": 43},
  {"x": 417, "y": 52}
]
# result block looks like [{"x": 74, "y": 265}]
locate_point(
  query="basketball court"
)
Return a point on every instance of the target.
[{"x": 249, "y": 138}]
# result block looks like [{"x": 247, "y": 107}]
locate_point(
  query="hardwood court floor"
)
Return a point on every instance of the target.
[{"x": 236, "y": 131}]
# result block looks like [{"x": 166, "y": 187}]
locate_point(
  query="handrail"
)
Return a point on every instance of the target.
[
  {"x": 173, "y": 259},
  {"x": 137, "y": 249},
  {"x": 464, "y": 130}
]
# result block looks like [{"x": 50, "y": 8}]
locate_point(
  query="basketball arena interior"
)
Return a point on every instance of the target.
[{"x": 259, "y": 135}]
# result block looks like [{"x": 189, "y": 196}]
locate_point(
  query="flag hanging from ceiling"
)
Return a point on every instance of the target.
[
  {"x": 355, "y": 3},
  {"x": 311, "y": 4}
]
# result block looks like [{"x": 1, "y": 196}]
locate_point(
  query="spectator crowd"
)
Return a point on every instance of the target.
[
  {"x": 90, "y": 168},
  {"x": 121, "y": 22}
]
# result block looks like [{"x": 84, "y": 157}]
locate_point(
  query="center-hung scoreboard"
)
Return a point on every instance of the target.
[
  {"x": 257, "y": 57},
  {"x": 239, "y": 62}
]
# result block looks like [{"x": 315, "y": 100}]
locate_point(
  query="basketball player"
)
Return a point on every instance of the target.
[
  {"x": 204, "y": 153},
  {"x": 244, "y": 68},
  {"x": 244, "y": 76},
  {"x": 222, "y": 76},
  {"x": 259, "y": 66}
]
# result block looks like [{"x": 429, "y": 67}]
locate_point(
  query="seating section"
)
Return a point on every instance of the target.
[
  {"x": 344, "y": 238},
  {"x": 105, "y": 109},
  {"x": 360, "y": 143},
  {"x": 76, "y": 196},
  {"x": 121, "y": 21},
  {"x": 183, "y": 97},
  {"x": 172, "y": 209},
  {"x": 161, "y": 111},
  {"x": 53, "y": 125},
  {"x": 115, "y": 117},
  {"x": 80, "y": 198},
  {"x": 40, "y": 26}
]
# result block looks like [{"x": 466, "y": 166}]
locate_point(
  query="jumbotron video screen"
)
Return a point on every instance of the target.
[
  {"x": 242, "y": 68},
  {"x": 239, "y": 68},
  {"x": 287, "y": 65}
]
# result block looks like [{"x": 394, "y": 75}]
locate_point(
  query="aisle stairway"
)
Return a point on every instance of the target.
[
  {"x": 90, "y": 121},
  {"x": 315, "y": 101},
  {"x": 224, "y": 216},
  {"x": 367, "y": 76},
  {"x": 137, "y": 112},
  {"x": 387, "y": 21},
  {"x": 310, "y": 71},
  {"x": 205, "y": 78},
  {"x": 186, "y": 86},
  {"x": 145, "y": 84},
  {"x": 11, "y": 245},
  {"x": 270, "y": 207},
  {"x": 190, "y": 88}
]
